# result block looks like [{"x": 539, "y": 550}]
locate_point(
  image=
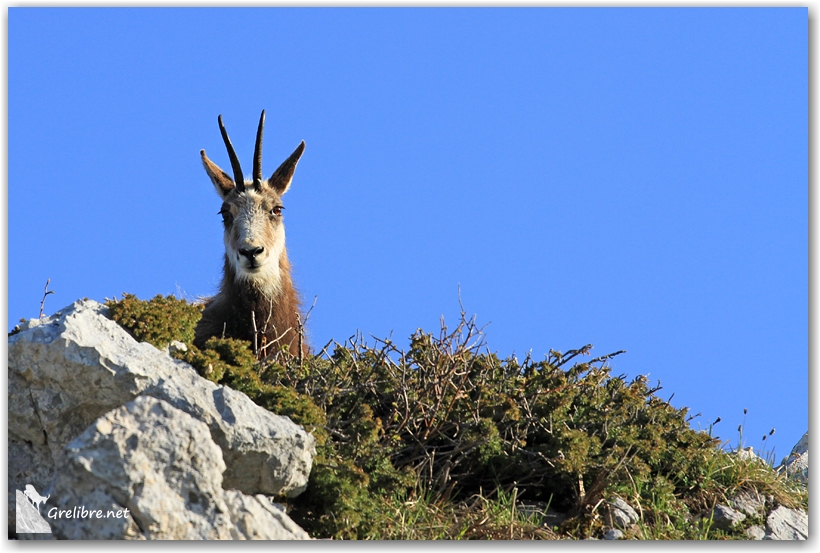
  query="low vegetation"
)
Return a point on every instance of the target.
[{"x": 446, "y": 440}]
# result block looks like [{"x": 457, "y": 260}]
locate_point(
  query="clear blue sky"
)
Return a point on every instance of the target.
[{"x": 631, "y": 178}]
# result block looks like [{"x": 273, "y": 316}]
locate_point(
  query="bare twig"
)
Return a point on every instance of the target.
[
  {"x": 276, "y": 340},
  {"x": 301, "y": 333},
  {"x": 562, "y": 359},
  {"x": 45, "y": 293},
  {"x": 255, "y": 335},
  {"x": 607, "y": 357},
  {"x": 309, "y": 311},
  {"x": 512, "y": 509},
  {"x": 324, "y": 349}
]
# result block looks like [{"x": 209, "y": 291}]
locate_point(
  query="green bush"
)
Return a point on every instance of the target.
[
  {"x": 158, "y": 321},
  {"x": 451, "y": 436}
]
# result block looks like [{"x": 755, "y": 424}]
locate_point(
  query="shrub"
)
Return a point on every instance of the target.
[
  {"x": 158, "y": 321},
  {"x": 453, "y": 437}
]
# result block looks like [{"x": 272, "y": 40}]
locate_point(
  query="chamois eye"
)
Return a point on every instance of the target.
[
  {"x": 277, "y": 210},
  {"x": 226, "y": 215}
]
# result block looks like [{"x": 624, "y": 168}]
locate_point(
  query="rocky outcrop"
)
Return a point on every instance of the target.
[
  {"x": 790, "y": 524},
  {"x": 796, "y": 464},
  {"x": 782, "y": 523},
  {"x": 159, "y": 467},
  {"x": 76, "y": 379},
  {"x": 787, "y": 524}
]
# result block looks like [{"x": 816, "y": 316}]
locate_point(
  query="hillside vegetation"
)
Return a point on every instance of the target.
[{"x": 441, "y": 439}]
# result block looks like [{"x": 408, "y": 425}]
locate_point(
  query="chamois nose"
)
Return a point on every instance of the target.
[{"x": 251, "y": 253}]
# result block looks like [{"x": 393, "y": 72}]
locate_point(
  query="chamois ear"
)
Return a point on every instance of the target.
[
  {"x": 222, "y": 182},
  {"x": 281, "y": 178}
]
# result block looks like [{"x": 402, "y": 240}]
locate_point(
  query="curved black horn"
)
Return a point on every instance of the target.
[
  {"x": 257, "y": 152},
  {"x": 238, "y": 179}
]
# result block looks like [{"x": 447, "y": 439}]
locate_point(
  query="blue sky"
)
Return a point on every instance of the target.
[{"x": 631, "y": 178}]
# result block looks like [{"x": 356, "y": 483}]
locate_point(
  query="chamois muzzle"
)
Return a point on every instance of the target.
[{"x": 251, "y": 253}]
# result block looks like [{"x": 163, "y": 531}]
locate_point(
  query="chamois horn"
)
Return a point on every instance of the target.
[
  {"x": 238, "y": 179},
  {"x": 257, "y": 153}
]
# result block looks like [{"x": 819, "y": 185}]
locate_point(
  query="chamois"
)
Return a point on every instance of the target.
[{"x": 256, "y": 300}]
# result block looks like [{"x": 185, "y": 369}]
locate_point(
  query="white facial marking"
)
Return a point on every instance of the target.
[{"x": 254, "y": 242}]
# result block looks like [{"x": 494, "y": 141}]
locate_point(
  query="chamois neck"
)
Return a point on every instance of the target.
[
  {"x": 269, "y": 285},
  {"x": 245, "y": 309}
]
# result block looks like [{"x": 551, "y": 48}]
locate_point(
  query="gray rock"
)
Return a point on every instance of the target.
[
  {"x": 613, "y": 534},
  {"x": 73, "y": 367},
  {"x": 748, "y": 502},
  {"x": 796, "y": 464},
  {"x": 29, "y": 458},
  {"x": 755, "y": 532},
  {"x": 620, "y": 514},
  {"x": 264, "y": 453},
  {"x": 177, "y": 347},
  {"x": 748, "y": 453},
  {"x": 153, "y": 472},
  {"x": 726, "y": 518},
  {"x": 787, "y": 524},
  {"x": 802, "y": 446},
  {"x": 68, "y": 370},
  {"x": 247, "y": 512}
]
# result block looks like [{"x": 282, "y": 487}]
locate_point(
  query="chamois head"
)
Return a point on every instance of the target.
[{"x": 252, "y": 215}]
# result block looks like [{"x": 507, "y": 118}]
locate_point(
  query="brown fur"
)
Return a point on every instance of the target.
[{"x": 228, "y": 314}]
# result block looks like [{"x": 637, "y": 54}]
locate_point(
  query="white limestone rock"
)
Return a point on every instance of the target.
[
  {"x": 796, "y": 464},
  {"x": 749, "y": 502},
  {"x": 158, "y": 470},
  {"x": 177, "y": 347},
  {"x": 77, "y": 365},
  {"x": 787, "y": 524},
  {"x": 69, "y": 369},
  {"x": 748, "y": 453}
]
